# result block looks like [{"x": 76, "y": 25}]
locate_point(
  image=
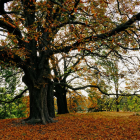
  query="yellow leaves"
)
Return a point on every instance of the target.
[
  {"x": 85, "y": 68},
  {"x": 3, "y": 43},
  {"x": 72, "y": 68},
  {"x": 93, "y": 83},
  {"x": 134, "y": 46}
]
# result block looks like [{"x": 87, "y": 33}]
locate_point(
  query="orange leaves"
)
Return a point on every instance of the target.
[
  {"x": 92, "y": 11},
  {"x": 86, "y": 22},
  {"x": 26, "y": 101},
  {"x": 15, "y": 41},
  {"x": 7, "y": 22},
  {"x": 101, "y": 125},
  {"x": 48, "y": 6},
  {"x": 12, "y": 56},
  {"x": 75, "y": 10},
  {"x": 79, "y": 49}
]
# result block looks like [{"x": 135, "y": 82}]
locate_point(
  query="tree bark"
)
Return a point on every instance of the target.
[
  {"x": 117, "y": 103},
  {"x": 39, "y": 112},
  {"x": 61, "y": 99}
]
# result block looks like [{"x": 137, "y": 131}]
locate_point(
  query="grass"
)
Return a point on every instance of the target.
[{"x": 76, "y": 126}]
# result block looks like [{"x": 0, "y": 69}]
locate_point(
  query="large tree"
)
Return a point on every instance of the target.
[{"x": 36, "y": 30}]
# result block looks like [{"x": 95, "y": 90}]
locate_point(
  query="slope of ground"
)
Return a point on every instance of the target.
[{"x": 78, "y": 126}]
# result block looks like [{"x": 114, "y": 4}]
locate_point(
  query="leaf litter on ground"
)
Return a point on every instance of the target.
[{"x": 75, "y": 126}]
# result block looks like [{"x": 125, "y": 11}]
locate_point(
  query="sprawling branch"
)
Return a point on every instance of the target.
[
  {"x": 118, "y": 29},
  {"x": 11, "y": 28},
  {"x": 83, "y": 87},
  {"x": 95, "y": 86}
]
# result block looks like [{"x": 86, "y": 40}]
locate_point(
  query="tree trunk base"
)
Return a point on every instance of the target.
[{"x": 34, "y": 121}]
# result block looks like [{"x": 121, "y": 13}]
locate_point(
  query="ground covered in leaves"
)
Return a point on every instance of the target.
[{"x": 78, "y": 126}]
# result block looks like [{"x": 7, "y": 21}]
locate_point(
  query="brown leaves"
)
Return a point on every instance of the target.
[{"x": 105, "y": 125}]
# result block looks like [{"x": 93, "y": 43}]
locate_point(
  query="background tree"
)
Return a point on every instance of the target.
[
  {"x": 63, "y": 70},
  {"x": 103, "y": 72}
]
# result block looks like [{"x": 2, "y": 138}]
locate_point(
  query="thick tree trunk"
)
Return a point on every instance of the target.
[
  {"x": 39, "y": 103},
  {"x": 65, "y": 102},
  {"x": 61, "y": 99}
]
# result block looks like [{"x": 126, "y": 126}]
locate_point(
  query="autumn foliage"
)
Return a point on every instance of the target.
[
  {"x": 35, "y": 31},
  {"x": 26, "y": 101},
  {"x": 77, "y": 126}
]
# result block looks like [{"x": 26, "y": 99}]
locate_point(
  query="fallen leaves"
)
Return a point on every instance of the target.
[{"x": 75, "y": 126}]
